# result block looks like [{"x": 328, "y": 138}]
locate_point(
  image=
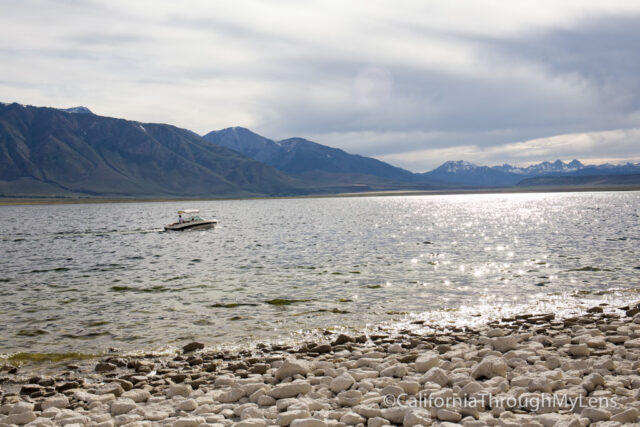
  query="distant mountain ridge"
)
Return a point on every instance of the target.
[
  {"x": 73, "y": 152},
  {"x": 47, "y": 151},
  {"x": 304, "y": 158},
  {"x": 299, "y": 156},
  {"x": 464, "y": 173}
]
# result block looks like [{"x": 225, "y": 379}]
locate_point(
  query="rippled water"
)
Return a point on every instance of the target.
[{"x": 88, "y": 277}]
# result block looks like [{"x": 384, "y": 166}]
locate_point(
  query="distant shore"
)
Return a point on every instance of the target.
[
  {"x": 533, "y": 369},
  {"x": 9, "y": 201}
]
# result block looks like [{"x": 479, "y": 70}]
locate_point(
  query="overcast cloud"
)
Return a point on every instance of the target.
[{"x": 414, "y": 83}]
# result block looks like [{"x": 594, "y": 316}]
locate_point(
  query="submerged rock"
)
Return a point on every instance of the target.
[{"x": 192, "y": 346}]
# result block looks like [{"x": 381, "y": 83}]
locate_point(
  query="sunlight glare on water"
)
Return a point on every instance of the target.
[{"x": 92, "y": 276}]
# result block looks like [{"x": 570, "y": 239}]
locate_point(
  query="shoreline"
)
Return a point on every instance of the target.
[
  {"x": 30, "y": 200},
  {"x": 346, "y": 379}
]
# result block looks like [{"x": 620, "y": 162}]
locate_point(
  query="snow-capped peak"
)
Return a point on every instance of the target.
[
  {"x": 457, "y": 166},
  {"x": 77, "y": 110}
]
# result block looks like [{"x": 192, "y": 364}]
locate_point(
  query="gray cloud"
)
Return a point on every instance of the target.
[{"x": 413, "y": 85}]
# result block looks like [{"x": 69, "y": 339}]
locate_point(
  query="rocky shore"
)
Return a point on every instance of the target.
[{"x": 529, "y": 370}]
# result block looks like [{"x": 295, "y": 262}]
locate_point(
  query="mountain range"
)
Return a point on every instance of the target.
[
  {"x": 467, "y": 174},
  {"x": 75, "y": 153},
  {"x": 51, "y": 152}
]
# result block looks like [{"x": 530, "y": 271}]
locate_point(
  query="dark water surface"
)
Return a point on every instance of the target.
[{"x": 88, "y": 277}]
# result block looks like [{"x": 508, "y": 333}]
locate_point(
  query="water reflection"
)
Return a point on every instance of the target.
[{"x": 88, "y": 277}]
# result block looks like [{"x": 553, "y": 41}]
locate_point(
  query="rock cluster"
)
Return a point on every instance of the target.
[{"x": 497, "y": 375}]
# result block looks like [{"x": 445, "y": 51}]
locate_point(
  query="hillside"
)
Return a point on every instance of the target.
[
  {"x": 301, "y": 157},
  {"x": 583, "y": 180},
  {"x": 51, "y": 152},
  {"x": 468, "y": 174}
]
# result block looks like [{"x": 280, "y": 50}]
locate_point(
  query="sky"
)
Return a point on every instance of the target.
[{"x": 413, "y": 83}]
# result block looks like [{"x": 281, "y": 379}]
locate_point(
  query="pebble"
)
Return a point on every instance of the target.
[
  {"x": 60, "y": 401},
  {"x": 490, "y": 367},
  {"x": 21, "y": 407},
  {"x": 188, "y": 422},
  {"x": 426, "y": 362},
  {"x": 187, "y": 405},
  {"x": 308, "y": 422},
  {"x": 293, "y": 389},
  {"x": 341, "y": 383},
  {"x": 285, "y": 418},
  {"x": 595, "y": 414},
  {"x": 122, "y": 406},
  {"x": 579, "y": 350},
  {"x": 137, "y": 395},
  {"x": 179, "y": 390},
  {"x": 292, "y": 367},
  {"x": 20, "y": 418},
  {"x": 436, "y": 375},
  {"x": 504, "y": 344}
]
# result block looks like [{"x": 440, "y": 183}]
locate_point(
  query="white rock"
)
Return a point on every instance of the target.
[
  {"x": 495, "y": 332},
  {"x": 436, "y": 375},
  {"x": 592, "y": 381},
  {"x": 285, "y": 418},
  {"x": 540, "y": 384},
  {"x": 232, "y": 395},
  {"x": 59, "y": 401},
  {"x": 21, "y": 407},
  {"x": 187, "y": 405},
  {"x": 250, "y": 422},
  {"x": 50, "y": 412},
  {"x": 397, "y": 371},
  {"x": 188, "y": 422},
  {"x": 367, "y": 411},
  {"x": 109, "y": 388},
  {"x": 155, "y": 415},
  {"x": 126, "y": 419},
  {"x": 579, "y": 350},
  {"x": 351, "y": 419},
  {"x": 490, "y": 367},
  {"x": 471, "y": 387},
  {"x": 377, "y": 422},
  {"x": 392, "y": 390},
  {"x": 552, "y": 362},
  {"x": 308, "y": 422},
  {"x": 291, "y": 367},
  {"x": 625, "y": 417},
  {"x": 20, "y": 418},
  {"x": 122, "y": 406},
  {"x": 179, "y": 390},
  {"x": 504, "y": 344},
  {"x": 553, "y": 419},
  {"x": 417, "y": 417},
  {"x": 595, "y": 414},
  {"x": 292, "y": 389},
  {"x": 395, "y": 348},
  {"x": 341, "y": 383},
  {"x": 632, "y": 343},
  {"x": 137, "y": 395},
  {"x": 409, "y": 387},
  {"x": 349, "y": 398},
  {"x": 394, "y": 414},
  {"x": 265, "y": 400}
]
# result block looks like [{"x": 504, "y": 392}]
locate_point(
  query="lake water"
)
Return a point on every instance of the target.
[{"x": 89, "y": 277}]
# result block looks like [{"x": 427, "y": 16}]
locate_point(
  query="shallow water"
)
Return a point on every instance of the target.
[{"x": 89, "y": 277}]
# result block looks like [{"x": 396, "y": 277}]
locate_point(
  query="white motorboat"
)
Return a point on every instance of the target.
[{"x": 189, "y": 220}]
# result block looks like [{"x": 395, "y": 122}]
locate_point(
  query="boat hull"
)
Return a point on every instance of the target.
[{"x": 192, "y": 225}]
